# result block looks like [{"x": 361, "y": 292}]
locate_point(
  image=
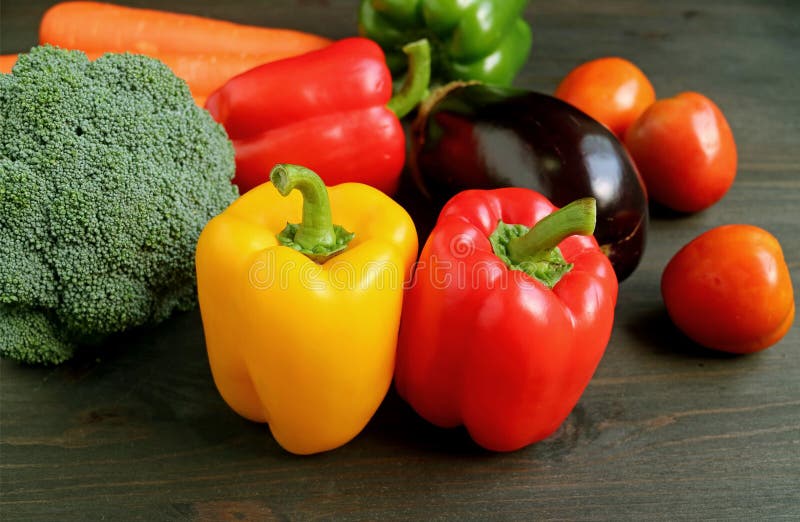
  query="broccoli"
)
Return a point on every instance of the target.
[{"x": 108, "y": 173}]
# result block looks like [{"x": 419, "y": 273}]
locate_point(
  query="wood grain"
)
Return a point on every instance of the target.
[{"x": 135, "y": 430}]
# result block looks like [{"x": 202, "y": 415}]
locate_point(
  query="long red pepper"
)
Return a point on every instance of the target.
[{"x": 331, "y": 110}]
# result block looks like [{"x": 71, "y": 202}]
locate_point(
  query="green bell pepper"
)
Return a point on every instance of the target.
[{"x": 484, "y": 40}]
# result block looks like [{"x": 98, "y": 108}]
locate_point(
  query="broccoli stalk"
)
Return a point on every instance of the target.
[{"x": 108, "y": 173}]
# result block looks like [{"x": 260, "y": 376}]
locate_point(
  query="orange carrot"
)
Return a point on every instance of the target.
[
  {"x": 203, "y": 72},
  {"x": 7, "y": 61},
  {"x": 95, "y": 26}
]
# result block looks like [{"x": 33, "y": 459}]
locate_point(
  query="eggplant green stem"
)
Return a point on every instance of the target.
[
  {"x": 316, "y": 235},
  {"x": 415, "y": 87},
  {"x": 577, "y": 218}
]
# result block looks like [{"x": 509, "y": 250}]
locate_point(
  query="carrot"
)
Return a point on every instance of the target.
[
  {"x": 7, "y": 61},
  {"x": 95, "y": 26},
  {"x": 204, "y": 73}
]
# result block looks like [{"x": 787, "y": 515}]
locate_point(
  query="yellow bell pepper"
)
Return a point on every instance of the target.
[{"x": 301, "y": 320}]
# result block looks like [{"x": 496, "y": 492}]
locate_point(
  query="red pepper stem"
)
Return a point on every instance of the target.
[
  {"x": 577, "y": 218},
  {"x": 415, "y": 87},
  {"x": 316, "y": 229}
]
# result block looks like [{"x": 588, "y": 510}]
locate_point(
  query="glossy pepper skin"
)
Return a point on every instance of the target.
[
  {"x": 484, "y": 40},
  {"x": 493, "y": 348},
  {"x": 331, "y": 110},
  {"x": 307, "y": 346},
  {"x": 474, "y": 136}
]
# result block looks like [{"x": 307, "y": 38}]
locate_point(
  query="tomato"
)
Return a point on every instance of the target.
[
  {"x": 730, "y": 289},
  {"x": 684, "y": 150},
  {"x": 611, "y": 90}
]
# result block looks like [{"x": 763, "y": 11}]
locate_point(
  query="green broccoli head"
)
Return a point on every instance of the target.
[{"x": 108, "y": 173}]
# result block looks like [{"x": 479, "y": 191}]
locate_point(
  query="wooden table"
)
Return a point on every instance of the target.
[{"x": 665, "y": 430}]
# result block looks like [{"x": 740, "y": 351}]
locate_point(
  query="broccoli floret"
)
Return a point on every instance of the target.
[{"x": 108, "y": 173}]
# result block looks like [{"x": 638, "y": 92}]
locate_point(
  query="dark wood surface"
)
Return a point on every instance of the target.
[{"x": 665, "y": 430}]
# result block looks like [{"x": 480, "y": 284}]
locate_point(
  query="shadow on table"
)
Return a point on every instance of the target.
[
  {"x": 655, "y": 332},
  {"x": 398, "y": 427},
  {"x": 151, "y": 390}
]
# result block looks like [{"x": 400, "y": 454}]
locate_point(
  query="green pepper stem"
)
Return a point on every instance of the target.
[
  {"x": 316, "y": 229},
  {"x": 579, "y": 217},
  {"x": 417, "y": 79}
]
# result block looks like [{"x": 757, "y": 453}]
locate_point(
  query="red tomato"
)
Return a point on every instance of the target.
[
  {"x": 684, "y": 150},
  {"x": 611, "y": 90},
  {"x": 730, "y": 289}
]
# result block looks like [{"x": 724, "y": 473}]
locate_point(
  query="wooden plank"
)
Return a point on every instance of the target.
[{"x": 666, "y": 430}]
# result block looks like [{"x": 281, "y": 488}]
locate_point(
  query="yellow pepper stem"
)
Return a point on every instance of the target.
[{"x": 316, "y": 236}]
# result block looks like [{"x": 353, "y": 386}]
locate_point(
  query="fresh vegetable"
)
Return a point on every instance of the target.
[
  {"x": 480, "y": 137},
  {"x": 301, "y": 320},
  {"x": 108, "y": 172},
  {"x": 203, "y": 51},
  {"x": 98, "y": 26},
  {"x": 685, "y": 152},
  {"x": 7, "y": 61},
  {"x": 730, "y": 289},
  {"x": 484, "y": 40},
  {"x": 611, "y": 90},
  {"x": 329, "y": 110},
  {"x": 505, "y": 324},
  {"x": 204, "y": 73}
]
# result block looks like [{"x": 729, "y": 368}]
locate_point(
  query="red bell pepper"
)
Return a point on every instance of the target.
[
  {"x": 504, "y": 326},
  {"x": 331, "y": 110}
]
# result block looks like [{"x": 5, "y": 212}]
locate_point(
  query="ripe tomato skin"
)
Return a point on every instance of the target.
[
  {"x": 729, "y": 289},
  {"x": 685, "y": 151},
  {"x": 611, "y": 90}
]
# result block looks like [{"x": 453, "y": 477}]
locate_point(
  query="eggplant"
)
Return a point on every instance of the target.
[{"x": 476, "y": 136}]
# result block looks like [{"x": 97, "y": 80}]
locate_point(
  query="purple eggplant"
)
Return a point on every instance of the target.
[{"x": 474, "y": 136}]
